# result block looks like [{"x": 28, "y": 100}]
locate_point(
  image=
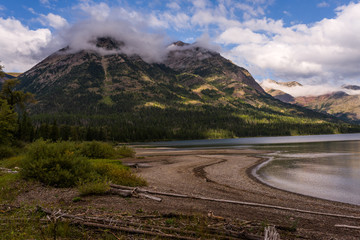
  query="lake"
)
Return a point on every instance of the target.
[
  {"x": 329, "y": 170},
  {"x": 323, "y": 166}
]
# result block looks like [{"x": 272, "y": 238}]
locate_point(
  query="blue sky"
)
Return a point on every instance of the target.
[{"x": 314, "y": 42}]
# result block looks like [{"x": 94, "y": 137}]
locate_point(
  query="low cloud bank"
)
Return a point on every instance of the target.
[
  {"x": 151, "y": 47},
  {"x": 307, "y": 90}
]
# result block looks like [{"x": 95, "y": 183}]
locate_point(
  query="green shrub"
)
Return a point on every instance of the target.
[
  {"x": 6, "y": 151},
  {"x": 76, "y": 199},
  {"x": 119, "y": 174},
  {"x": 96, "y": 149},
  {"x": 94, "y": 187},
  {"x": 65, "y": 164},
  {"x": 125, "y": 151},
  {"x": 55, "y": 164}
]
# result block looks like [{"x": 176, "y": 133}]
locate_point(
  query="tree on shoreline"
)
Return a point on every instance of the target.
[{"x": 12, "y": 111}]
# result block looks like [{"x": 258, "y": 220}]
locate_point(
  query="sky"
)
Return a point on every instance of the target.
[{"x": 314, "y": 42}]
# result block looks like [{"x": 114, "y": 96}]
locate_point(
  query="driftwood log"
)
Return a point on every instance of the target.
[
  {"x": 132, "y": 193},
  {"x": 133, "y": 227},
  {"x": 251, "y": 204},
  {"x": 347, "y": 226},
  {"x": 271, "y": 233}
]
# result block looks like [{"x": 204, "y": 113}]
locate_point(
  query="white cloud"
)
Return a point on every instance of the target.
[
  {"x": 237, "y": 35},
  {"x": 46, "y": 2},
  {"x": 32, "y": 10},
  {"x": 173, "y": 5},
  {"x": 200, "y": 3},
  {"x": 307, "y": 90},
  {"x": 324, "y": 51},
  {"x": 253, "y": 8},
  {"x": 177, "y": 21},
  {"x": 98, "y": 11},
  {"x": 323, "y": 5},
  {"x": 20, "y": 47},
  {"x": 52, "y": 20},
  {"x": 151, "y": 47}
]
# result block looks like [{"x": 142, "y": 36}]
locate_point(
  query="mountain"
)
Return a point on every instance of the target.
[
  {"x": 351, "y": 87},
  {"x": 193, "y": 93},
  {"x": 339, "y": 103},
  {"x": 65, "y": 81}
]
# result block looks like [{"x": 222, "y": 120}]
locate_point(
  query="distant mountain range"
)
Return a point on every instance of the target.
[
  {"x": 193, "y": 93},
  {"x": 338, "y": 103}
]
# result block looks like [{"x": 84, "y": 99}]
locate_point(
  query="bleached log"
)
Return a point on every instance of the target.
[
  {"x": 134, "y": 231},
  {"x": 150, "y": 197},
  {"x": 271, "y": 233},
  {"x": 347, "y": 226},
  {"x": 250, "y": 204},
  {"x": 123, "y": 193}
]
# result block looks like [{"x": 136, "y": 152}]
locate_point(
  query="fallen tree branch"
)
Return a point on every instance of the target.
[
  {"x": 133, "y": 231},
  {"x": 123, "y": 193},
  {"x": 132, "y": 193},
  {"x": 111, "y": 224},
  {"x": 250, "y": 204},
  {"x": 150, "y": 197},
  {"x": 347, "y": 226}
]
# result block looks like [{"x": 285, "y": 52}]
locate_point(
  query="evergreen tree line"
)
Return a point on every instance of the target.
[{"x": 153, "y": 123}]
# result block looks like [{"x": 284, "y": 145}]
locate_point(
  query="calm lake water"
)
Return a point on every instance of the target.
[
  {"x": 323, "y": 166},
  {"x": 329, "y": 170}
]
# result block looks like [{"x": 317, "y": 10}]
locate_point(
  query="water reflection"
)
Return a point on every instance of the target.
[
  {"x": 329, "y": 170},
  {"x": 324, "y": 166}
]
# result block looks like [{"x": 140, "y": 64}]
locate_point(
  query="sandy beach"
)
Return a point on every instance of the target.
[
  {"x": 226, "y": 174},
  {"x": 223, "y": 174}
]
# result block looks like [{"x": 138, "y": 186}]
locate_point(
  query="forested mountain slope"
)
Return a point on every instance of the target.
[{"x": 193, "y": 93}]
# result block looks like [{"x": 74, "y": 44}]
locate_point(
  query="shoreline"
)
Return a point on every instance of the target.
[
  {"x": 227, "y": 174},
  {"x": 210, "y": 174}
]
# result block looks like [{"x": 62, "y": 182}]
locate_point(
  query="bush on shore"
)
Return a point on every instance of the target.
[
  {"x": 67, "y": 164},
  {"x": 55, "y": 164}
]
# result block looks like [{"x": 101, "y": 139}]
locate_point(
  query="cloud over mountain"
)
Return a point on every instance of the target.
[{"x": 322, "y": 51}]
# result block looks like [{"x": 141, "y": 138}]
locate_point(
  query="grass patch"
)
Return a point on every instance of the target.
[
  {"x": 12, "y": 162},
  {"x": 27, "y": 223},
  {"x": 10, "y": 186}
]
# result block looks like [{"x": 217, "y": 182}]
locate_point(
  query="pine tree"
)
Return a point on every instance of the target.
[
  {"x": 54, "y": 133},
  {"x": 8, "y": 123}
]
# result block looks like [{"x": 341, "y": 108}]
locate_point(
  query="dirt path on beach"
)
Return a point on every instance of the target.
[{"x": 225, "y": 174}]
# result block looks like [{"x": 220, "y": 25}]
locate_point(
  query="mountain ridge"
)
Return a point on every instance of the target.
[{"x": 194, "y": 93}]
